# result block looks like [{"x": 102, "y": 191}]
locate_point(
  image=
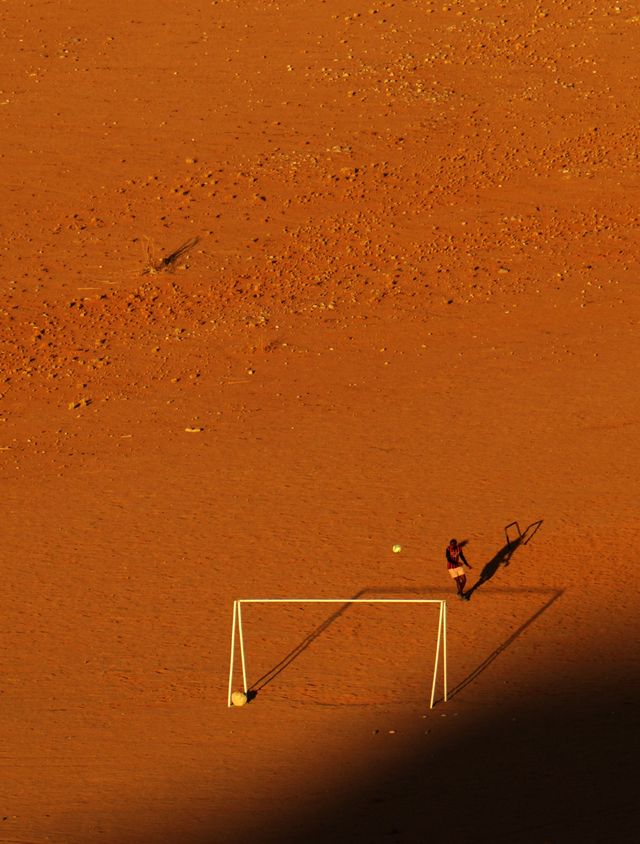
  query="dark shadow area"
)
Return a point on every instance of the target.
[{"x": 558, "y": 768}]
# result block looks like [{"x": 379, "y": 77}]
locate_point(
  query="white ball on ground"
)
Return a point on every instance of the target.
[
  {"x": 238, "y": 698},
  {"x": 397, "y": 548}
]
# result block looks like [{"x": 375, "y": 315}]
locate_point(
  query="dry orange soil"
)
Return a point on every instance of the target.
[{"x": 406, "y": 309}]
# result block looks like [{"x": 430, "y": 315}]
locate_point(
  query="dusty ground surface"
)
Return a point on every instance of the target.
[{"x": 406, "y": 308}]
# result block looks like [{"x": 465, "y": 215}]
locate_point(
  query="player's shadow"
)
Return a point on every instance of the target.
[
  {"x": 501, "y": 558},
  {"x": 504, "y": 555}
]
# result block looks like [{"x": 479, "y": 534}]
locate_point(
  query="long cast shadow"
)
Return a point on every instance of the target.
[
  {"x": 293, "y": 654},
  {"x": 531, "y": 531},
  {"x": 302, "y": 646},
  {"x": 504, "y": 555},
  {"x": 503, "y": 647},
  {"x": 500, "y": 558}
]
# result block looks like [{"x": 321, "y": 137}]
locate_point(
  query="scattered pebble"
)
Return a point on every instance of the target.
[{"x": 74, "y": 405}]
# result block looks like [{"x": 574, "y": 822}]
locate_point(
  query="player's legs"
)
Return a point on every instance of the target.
[{"x": 464, "y": 594}]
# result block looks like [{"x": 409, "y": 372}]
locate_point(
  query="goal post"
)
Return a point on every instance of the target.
[{"x": 237, "y": 633}]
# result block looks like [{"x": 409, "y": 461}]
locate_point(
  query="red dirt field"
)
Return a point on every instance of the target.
[{"x": 283, "y": 285}]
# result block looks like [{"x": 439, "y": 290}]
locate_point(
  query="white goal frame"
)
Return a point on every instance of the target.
[{"x": 441, "y": 644}]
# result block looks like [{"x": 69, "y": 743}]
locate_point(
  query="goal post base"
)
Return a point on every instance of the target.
[{"x": 238, "y": 635}]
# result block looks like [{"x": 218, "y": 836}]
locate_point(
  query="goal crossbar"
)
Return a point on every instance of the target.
[{"x": 237, "y": 633}]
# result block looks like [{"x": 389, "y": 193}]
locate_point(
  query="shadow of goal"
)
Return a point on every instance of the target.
[{"x": 237, "y": 636}]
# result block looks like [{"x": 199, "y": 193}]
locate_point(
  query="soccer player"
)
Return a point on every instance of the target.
[{"x": 455, "y": 560}]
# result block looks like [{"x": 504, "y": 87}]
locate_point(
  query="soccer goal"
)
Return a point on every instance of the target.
[{"x": 237, "y": 634}]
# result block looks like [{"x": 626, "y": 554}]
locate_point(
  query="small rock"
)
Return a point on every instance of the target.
[{"x": 74, "y": 405}]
